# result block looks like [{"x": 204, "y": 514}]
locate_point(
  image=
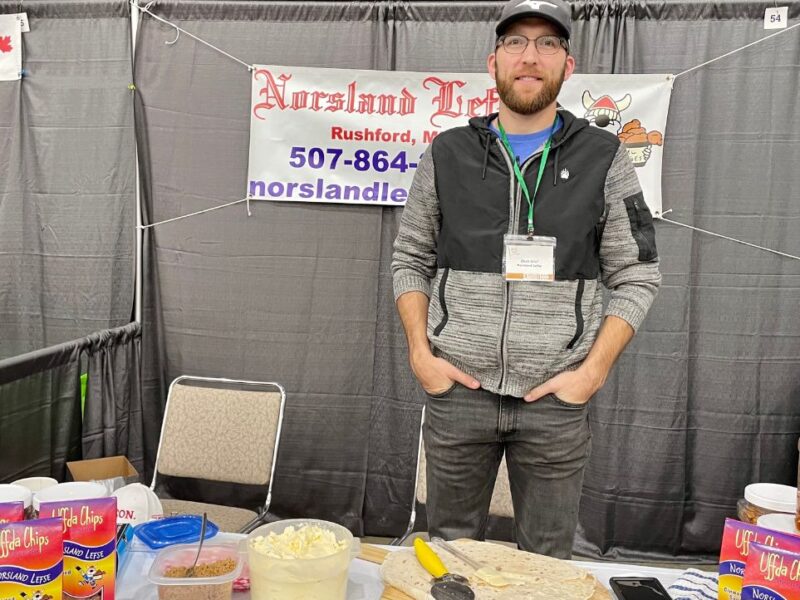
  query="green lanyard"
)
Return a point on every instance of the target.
[{"x": 518, "y": 173}]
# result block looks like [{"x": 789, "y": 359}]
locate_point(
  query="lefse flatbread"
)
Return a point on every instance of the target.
[{"x": 543, "y": 578}]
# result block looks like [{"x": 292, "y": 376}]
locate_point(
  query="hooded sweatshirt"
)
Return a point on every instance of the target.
[{"x": 513, "y": 336}]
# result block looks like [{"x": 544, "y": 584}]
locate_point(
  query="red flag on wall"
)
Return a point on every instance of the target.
[{"x": 10, "y": 48}]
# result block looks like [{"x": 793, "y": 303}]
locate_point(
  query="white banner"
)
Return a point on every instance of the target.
[
  {"x": 10, "y": 48},
  {"x": 355, "y": 137}
]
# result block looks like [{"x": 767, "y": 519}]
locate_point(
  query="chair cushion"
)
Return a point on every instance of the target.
[
  {"x": 219, "y": 434},
  {"x": 227, "y": 518}
]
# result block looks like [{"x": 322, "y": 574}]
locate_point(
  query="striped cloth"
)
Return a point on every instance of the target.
[{"x": 694, "y": 584}]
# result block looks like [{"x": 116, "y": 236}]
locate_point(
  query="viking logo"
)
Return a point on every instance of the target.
[
  {"x": 535, "y": 5},
  {"x": 606, "y": 107}
]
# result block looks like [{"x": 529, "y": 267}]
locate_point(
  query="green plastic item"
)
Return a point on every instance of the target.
[{"x": 84, "y": 379}]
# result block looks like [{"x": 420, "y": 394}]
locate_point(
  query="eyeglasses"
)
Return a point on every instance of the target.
[{"x": 545, "y": 44}]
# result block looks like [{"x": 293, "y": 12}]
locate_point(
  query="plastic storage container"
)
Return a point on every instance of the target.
[
  {"x": 219, "y": 564},
  {"x": 766, "y": 498},
  {"x": 181, "y": 529},
  {"x": 323, "y": 578},
  {"x": 10, "y": 492}
]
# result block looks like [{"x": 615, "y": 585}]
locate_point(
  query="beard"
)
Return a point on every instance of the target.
[{"x": 527, "y": 105}]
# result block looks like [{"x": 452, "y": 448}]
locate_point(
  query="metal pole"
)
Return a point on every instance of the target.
[{"x": 137, "y": 298}]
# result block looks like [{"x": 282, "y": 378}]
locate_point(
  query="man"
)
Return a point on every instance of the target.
[{"x": 497, "y": 271}]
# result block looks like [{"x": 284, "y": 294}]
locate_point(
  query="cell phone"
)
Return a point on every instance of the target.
[{"x": 638, "y": 588}]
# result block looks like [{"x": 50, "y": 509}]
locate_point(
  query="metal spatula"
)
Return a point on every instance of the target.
[{"x": 488, "y": 574}]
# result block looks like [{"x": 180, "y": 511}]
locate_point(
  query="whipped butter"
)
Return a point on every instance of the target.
[
  {"x": 306, "y": 541},
  {"x": 302, "y": 562}
]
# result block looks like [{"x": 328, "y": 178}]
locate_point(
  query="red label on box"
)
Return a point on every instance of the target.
[{"x": 11, "y": 512}]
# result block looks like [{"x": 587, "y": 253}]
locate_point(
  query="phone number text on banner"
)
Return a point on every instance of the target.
[{"x": 356, "y": 137}]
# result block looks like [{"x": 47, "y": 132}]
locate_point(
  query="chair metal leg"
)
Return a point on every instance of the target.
[
  {"x": 410, "y": 528},
  {"x": 399, "y": 541},
  {"x": 260, "y": 519}
]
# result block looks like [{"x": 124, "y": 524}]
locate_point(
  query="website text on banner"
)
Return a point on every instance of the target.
[{"x": 355, "y": 137}]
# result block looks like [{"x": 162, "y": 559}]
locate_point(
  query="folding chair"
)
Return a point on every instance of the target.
[
  {"x": 501, "y": 504},
  {"x": 223, "y": 430}
]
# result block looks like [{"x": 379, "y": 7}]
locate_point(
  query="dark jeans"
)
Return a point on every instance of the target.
[{"x": 546, "y": 442}]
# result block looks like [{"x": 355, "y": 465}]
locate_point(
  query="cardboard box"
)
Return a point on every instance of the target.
[{"x": 102, "y": 469}]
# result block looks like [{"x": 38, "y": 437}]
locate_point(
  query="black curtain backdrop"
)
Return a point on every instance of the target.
[
  {"x": 67, "y": 217},
  {"x": 67, "y": 176},
  {"x": 40, "y": 405},
  {"x": 705, "y": 400},
  {"x": 40, "y": 413},
  {"x": 112, "y": 419}
]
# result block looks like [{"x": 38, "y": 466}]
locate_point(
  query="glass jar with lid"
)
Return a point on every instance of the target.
[{"x": 766, "y": 498}]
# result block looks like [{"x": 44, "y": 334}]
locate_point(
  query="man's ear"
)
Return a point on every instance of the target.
[
  {"x": 491, "y": 65},
  {"x": 570, "y": 67}
]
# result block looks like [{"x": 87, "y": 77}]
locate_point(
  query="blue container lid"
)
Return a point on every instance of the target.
[{"x": 182, "y": 529}]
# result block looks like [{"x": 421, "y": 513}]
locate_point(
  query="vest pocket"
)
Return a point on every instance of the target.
[
  {"x": 465, "y": 317},
  {"x": 442, "y": 303},
  {"x": 578, "y": 314},
  {"x": 641, "y": 226}
]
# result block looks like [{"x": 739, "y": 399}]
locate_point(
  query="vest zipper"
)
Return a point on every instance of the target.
[{"x": 516, "y": 204}]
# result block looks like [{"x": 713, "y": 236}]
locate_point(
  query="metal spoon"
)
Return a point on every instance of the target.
[{"x": 190, "y": 571}]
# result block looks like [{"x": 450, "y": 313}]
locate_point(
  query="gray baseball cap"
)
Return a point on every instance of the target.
[{"x": 557, "y": 12}]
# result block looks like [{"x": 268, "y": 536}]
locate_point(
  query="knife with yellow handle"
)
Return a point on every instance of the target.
[
  {"x": 429, "y": 560},
  {"x": 446, "y": 586},
  {"x": 484, "y": 572}
]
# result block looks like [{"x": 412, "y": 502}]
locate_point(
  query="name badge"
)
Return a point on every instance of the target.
[{"x": 529, "y": 259}]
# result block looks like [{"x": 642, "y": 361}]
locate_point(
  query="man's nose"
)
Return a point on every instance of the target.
[{"x": 530, "y": 55}]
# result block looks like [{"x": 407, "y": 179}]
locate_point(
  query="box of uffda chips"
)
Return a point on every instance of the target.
[
  {"x": 742, "y": 574},
  {"x": 771, "y": 574},
  {"x": 31, "y": 559},
  {"x": 90, "y": 558}
]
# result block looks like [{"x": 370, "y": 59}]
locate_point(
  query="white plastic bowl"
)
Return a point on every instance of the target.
[
  {"x": 74, "y": 490},
  {"x": 11, "y": 492},
  {"x": 36, "y": 484},
  {"x": 778, "y": 522}
]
